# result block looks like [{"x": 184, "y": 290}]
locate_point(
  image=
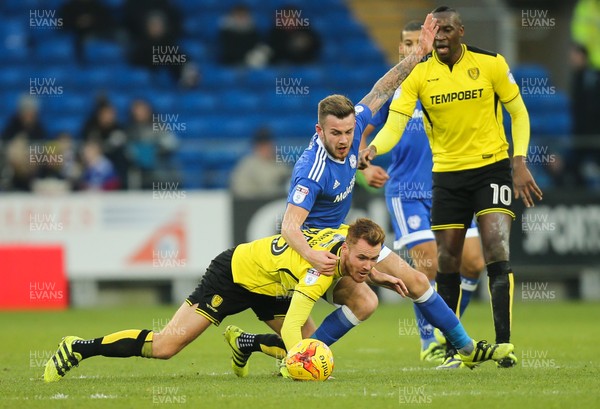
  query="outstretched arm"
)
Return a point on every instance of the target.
[{"x": 385, "y": 87}]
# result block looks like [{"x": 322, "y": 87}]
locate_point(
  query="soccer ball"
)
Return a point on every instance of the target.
[{"x": 309, "y": 360}]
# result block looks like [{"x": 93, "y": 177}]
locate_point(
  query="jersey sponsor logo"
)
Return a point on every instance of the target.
[
  {"x": 414, "y": 221},
  {"x": 346, "y": 192},
  {"x": 278, "y": 248},
  {"x": 311, "y": 276},
  {"x": 453, "y": 96},
  {"x": 358, "y": 109},
  {"x": 432, "y": 79},
  {"x": 300, "y": 194},
  {"x": 336, "y": 184},
  {"x": 474, "y": 73},
  {"x": 353, "y": 161}
]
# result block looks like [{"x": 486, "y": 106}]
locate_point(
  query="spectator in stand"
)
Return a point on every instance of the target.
[
  {"x": 259, "y": 175},
  {"x": 87, "y": 19},
  {"x": 22, "y": 129},
  {"x": 62, "y": 163},
  {"x": 154, "y": 30},
  {"x": 239, "y": 39},
  {"x": 104, "y": 129},
  {"x": 98, "y": 172},
  {"x": 151, "y": 146},
  {"x": 292, "y": 40},
  {"x": 585, "y": 60},
  {"x": 25, "y": 122}
]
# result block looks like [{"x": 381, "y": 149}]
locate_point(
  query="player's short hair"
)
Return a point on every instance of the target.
[
  {"x": 337, "y": 105},
  {"x": 446, "y": 9},
  {"x": 412, "y": 25},
  {"x": 367, "y": 230}
]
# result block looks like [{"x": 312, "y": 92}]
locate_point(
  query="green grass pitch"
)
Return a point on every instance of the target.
[{"x": 376, "y": 364}]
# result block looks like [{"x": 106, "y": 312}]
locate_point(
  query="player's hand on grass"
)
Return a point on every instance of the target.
[
  {"x": 428, "y": 31},
  {"x": 388, "y": 281},
  {"x": 523, "y": 183},
  {"x": 366, "y": 156},
  {"x": 376, "y": 176},
  {"x": 323, "y": 261}
]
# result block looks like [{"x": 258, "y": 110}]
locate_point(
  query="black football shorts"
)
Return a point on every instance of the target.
[
  {"x": 218, "y": 296},
  {"x": 459, "y": 195}
]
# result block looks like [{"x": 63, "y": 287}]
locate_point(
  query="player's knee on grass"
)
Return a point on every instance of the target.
[{"x": 165, "y": 346}]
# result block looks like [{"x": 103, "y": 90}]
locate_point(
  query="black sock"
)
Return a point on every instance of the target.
[
  {"x": 501, "y": 286},
  {"x": 119, "y": 345},
  {"x": 270, "y": 344},
  {"x": 448, "y": 287}
]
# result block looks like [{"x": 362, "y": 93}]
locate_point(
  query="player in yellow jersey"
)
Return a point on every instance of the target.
[
  {"x": 265, "y": 275},
  {"x": 460, "y": 88}
]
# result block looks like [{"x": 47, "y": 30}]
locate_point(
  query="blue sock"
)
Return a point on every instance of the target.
[
  {"x": 468, "y": 285},
  {"x": 425, "y": 328},
  {"x": 336, "y": 325},
  {"x": 437, "y": 312}
]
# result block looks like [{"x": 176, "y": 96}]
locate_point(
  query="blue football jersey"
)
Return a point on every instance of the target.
[
  {"x": 322, "y": 184},
  {"x": 410, "y": 170}
]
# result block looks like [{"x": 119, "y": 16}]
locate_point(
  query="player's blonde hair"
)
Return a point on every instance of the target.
[
  {"x": 337, "y": 105},
  {"x": 367, "y": 230}
]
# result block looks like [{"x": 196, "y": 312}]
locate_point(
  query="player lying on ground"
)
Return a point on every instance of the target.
[
  {"x": 261, "y": 275},
  {"x": 272, "y": 279},
  {"x": 306, "y": 294}
]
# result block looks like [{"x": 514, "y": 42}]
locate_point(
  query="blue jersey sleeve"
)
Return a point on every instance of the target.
[
  {"x": 304, "y": 192},
  {"x": 363, "y": 117}
]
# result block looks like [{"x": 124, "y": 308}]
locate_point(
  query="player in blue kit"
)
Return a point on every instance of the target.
[
  {"x": 408, "y": 191},
  {"x": 320, "y": 197}
]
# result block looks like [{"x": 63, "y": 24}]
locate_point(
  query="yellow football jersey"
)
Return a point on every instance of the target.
[
  {"x": 269, "y": 266},
  {"x": 461, "y": 107}
]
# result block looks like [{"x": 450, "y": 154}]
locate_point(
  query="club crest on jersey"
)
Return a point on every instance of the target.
[
  {"x": 353, "y": 161},
  {"x": 311, "y": 276},
  {"x": 300, "y": 194},
  {"x": 358, "y": 109},
  {"x": 216, "y": 300},
  {"x": 474, "y": 73}
]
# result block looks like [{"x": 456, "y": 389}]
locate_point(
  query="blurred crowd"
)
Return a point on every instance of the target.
[{"x": 108, "y": 154}]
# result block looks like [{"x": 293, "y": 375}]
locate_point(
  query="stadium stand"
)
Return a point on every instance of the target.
[{"x": 230, "y": 103}]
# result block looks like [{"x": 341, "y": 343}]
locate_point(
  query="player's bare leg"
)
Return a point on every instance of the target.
[
  {"x": 415, "y": 281},
  {"x": 450, "y": 248},
  {"x": 495, "y": 235},
  {"x": 471, "y": 265},
  {"x": 185, "y": 326}
]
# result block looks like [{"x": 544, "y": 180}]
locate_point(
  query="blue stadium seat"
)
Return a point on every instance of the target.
[
  {"x": 103, "y": 52},
  {"x": 59, "y": 49},
  {"x": 214, "y": 76},
  {"x": 130, "y": 78},
  {"x": 196, "y": 50},
  {"x": 71, "y": 124},
  {"x": 239, "y": 102},
  {"x": 196, "y": 103},
  {"x": 98, "y": 77}
]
